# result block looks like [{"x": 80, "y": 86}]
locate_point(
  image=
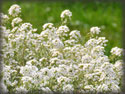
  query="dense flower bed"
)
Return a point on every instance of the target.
[{"x": 55, "y": 60}]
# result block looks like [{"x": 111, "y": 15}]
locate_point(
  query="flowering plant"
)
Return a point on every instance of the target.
[{"x": 55, "y": 60}]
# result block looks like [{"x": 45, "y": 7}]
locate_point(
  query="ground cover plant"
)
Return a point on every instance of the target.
[
  {"x": 86, "y": 15},
  {"x": 56, "y": 60}
]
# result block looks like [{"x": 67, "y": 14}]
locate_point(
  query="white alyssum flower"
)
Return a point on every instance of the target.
[
  {"x": 57, "y": 43},
  {"x": 26, "y": 79},
  {"x": 4, "y": 18},
  {"x": 46, "y": 90},
  {"x": 119, "y": 64},
  {"x": 62, "y": 32},
  {"x": 66, "y": 13},
  {"x": 16, "y": 21},
  {"x": 21, "y": 89},
  {"x": 63, "y": 80},
  {"x": 25, "y": 27},
  {"x": 47, "y": 26},
  {"x": 95, "y": 30},
  {"x": 116, "y": 51},
  {"x": 68, "y": 88},
  {"x": 14, "y": 10},
  {"x": 3, "y": 88},
  {"x": 65, "y": 16},
  {"x": 55, "y": 59},
  {"x": 75, "y": 34}
]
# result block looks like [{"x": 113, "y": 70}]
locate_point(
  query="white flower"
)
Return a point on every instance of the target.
[
  {"x": 25, "y": 27},
  {"x": 14, "y": 10},
  {"x": 88, "y": 87},
  {"x": 56, "y": 53},
  {"x": 65, "y": 16},
  {"x": 68, "y": 88},
  {"x": 4, "y": 18},
  {"x": 102, "y": 41},
  {"x": 116, "y": 51},
  {"x": 55, "y": 59},
  {"x": 63, "y": 80},
  {"x": 62, "y": 32},
  {"x": 14, "y": 29},
  {"x": 43, "y": 59},
  {"x": 3, "y": 88},
  {"x": 31, "y": 62},
  {"x": 21, "y": 89},
  {"x": 47, "y": 26},
  {"x": 26, "y": 79},
  {"x": 63, "y": 28},
  {"x": 70, "y": 42},
  {"x": 58, "y": 44},
  {"x": 102, "y": 88},
  {"x": 119, "y": 67},
  {"x": 118, "y": 64},
  {"x": 115, "y": 88},
  {"x": 28, "y": 70},
  {"x": 86, "y": 59},
  {"x": 98, "y": 50},
  {"x": 46, "y": 90},
  {"x": 16, "y": 21},
  {"x": 95, "y": 30},
  {"x": 91, "y": 42},
  {"x": 66, "y": 13},
  {"x": 75, "y": 34}
]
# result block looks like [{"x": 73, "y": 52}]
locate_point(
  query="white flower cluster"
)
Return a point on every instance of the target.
[
  {"x": 66, "y": 15},
  {"x": 95, "y": 30},
  {"x": 4, "y": 18},
  {"x": 55, "y": 60},
  {"x": 116, "y": 51},
  {"x": 14, "y": 10},
  {"x": 16, "y": 21}
]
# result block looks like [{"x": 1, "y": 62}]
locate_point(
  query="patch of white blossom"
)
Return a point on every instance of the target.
[
  {"x": 66, "y": 13},
  {"x": 16, "y": 21},
  {"x": 116, "y": 51},
  {"x": 14, "y": 10},
  {"x": 66, "y": 16},
  {"x": 55, "y": 59},
  {"x": 95, "y": 30}
]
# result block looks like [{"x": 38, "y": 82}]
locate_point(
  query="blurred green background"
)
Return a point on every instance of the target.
[{"x": 106, "y": 15}]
